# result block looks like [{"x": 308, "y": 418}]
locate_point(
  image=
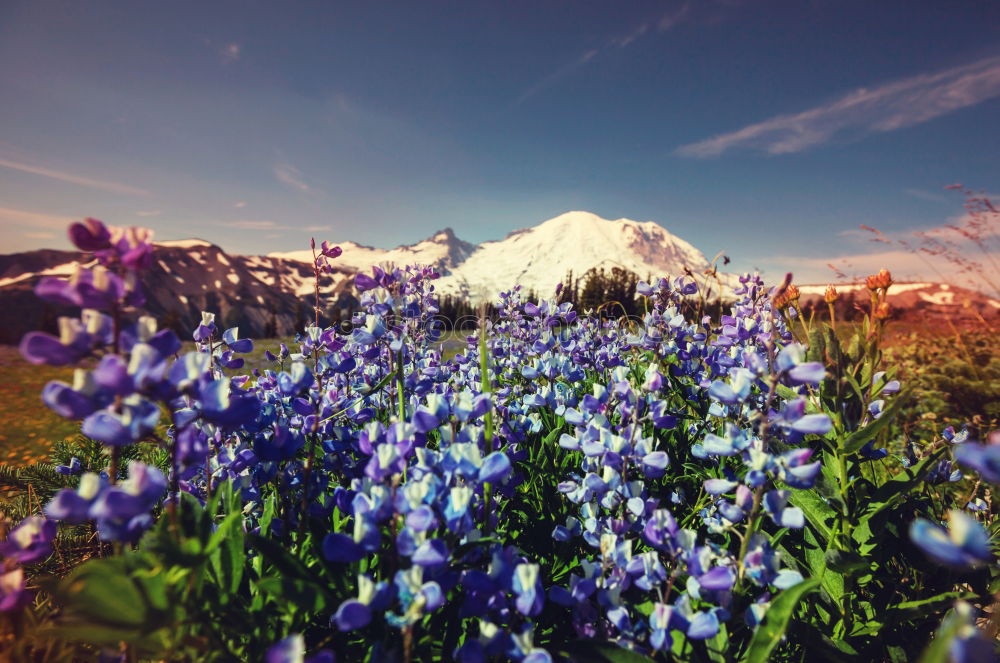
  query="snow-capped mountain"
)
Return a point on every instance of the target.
[
  {"x": 539, "y": 258},
  {"x": 536, "y": 258},
  {"x": 443, "y": 250},
  {"x": 273, "y": 294}
]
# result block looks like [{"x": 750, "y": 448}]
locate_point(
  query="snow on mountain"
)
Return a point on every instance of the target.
[
  {"x": 272, "y": 294},
  {"x": 921, "y": 298},
  {"x": 539, "y": 258},
  {"x": 184, "y": 243},
  {"x": 443, "y": 250},
  {"x": 536, "y": 258}
]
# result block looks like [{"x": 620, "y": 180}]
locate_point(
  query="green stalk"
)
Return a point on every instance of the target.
[
  {"x": 399, "y": 386},
  {"x": 484, "y": 369},
  {"x": 487, "y": 385}
]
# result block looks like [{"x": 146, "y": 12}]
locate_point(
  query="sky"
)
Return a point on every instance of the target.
[{"x": 767, "y": 130}]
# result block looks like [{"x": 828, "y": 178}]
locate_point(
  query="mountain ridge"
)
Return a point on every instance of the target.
[{"x": 273, "y": 294}]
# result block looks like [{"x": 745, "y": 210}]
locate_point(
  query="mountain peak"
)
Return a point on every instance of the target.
[
  {"x": 444, "y": 235},
  {"x": 188, "y": 243},
  {"x": 577, "y": 216},
  {"x": 537, "y": 257}
]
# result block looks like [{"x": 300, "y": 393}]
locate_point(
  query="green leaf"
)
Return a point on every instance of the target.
[
  {"x": 939, "y": 649},
  {"x": 718, "y": 645},
  {"x": 817, "y": 512},
  {"x": 860, "y": 438},
  {"x": 106, "y": 636},
  {"x": 229, "y": 556},
  {"x": 901, "y": 483},
  {"x": 770, "y": 632},
  {"x": 225, "y": 530},
  {"x": 815, "y": 553},
  {"x": 786, "y": 393},
  {"x": 297, "y": 595},
  {"x": 281, "y": 558},
  {"x": 101, "y": 591},
  {"x": 590, "y": 651},
  {"x": 921, "y": 607},
  {"x": 844, "y": 561},
  {"x": 817, "y": 346}
]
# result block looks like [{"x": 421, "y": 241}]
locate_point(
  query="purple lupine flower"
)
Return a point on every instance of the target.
[
  {"x": 94, "y": 288},
  {"x": 983, "y": 458},
  {"x": 970, "y": 644},
  {"x": 495, "y": 467},
  {"x": 790, "y": 361},
  {"x": 527, "y": 585},
  {"x": 73, "y": 468},
  {"x": 13, "y": 593},
  {"x": 357, "y": 613},
  {"x": 339, "y": 547},
  {"x": 30, "y": 541},
  {"x": 136, "y": 419},
  {"x": 235, "y": 344},
  {"x": 73, "y": 506},
  {"x": 225, "y": 405},
  {"x": 352, "y": 614},
  {"x": 964, "y": 543},
  {"x": 205, "y": 328},
  {"x": 703, "y": 625},
  {"x": 293, "y": 650},
  {"x": 41, "y": 348},
  {"x": 90, "y": 235}
]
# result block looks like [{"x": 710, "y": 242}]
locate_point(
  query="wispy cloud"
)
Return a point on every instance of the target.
[
  {"x": 556, "y": 75},
  {"x": 115, "y": 187},
  {"x": 240, "y": 204},
  {"x": 40, "y": 235},
  {"x": 672, "y": 18},
  {"x": 886, "y": 107},
  {"x": 904, "y": 265},
  {"x": 927, "y": 195},
  {"x": 657, "y": 24},
  {"x": 248, "y": 224},
  {"x": 150, "y": 212},
  {"x": 230, "y": 52},
  {"x": 18, "y": 217},
  {"x": 244, "y": 224},
  {"x": 290, "y": 175}
]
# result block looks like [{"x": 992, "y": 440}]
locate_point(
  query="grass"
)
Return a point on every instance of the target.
[{"x": 28, "y": 428}]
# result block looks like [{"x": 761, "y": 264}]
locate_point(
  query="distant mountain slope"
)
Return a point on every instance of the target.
[
  {"x": 917, "y": 299},
  {"x": 273, "y": 294},
  {"x": 539, "y": 258}
]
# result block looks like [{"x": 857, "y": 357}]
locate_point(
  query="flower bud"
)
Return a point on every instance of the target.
[
  {"x": 831, "y": 294},
  {"x": 882, "y": 280}
]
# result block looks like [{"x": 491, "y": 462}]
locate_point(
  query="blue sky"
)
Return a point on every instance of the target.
[{"x": 768, "y": 130}]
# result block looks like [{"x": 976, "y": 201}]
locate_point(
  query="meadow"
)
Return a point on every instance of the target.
[{"x": 727, "y": 484}]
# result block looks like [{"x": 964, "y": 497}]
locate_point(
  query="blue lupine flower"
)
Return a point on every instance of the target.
[
  {"x": 964, "y": 543},
  {"x": 72, "y": 469},
  {"x": 206, "y": 328},
  {"x": 235, "y": 344},
  {"x": 970, "y": 645},
  {"x": 983, "y": 458},
  {"x": 136, "y": 419},
  {"x": 527, "y": 586},
  {"x": 495, "y": 467},
  {"x": 13, "y": 593},
  {"x": 293, "y": 650},
  {"x": 30, "y": 541}
]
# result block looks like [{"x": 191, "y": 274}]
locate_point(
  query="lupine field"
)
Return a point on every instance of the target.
[{"x": 706, "y": 483}]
